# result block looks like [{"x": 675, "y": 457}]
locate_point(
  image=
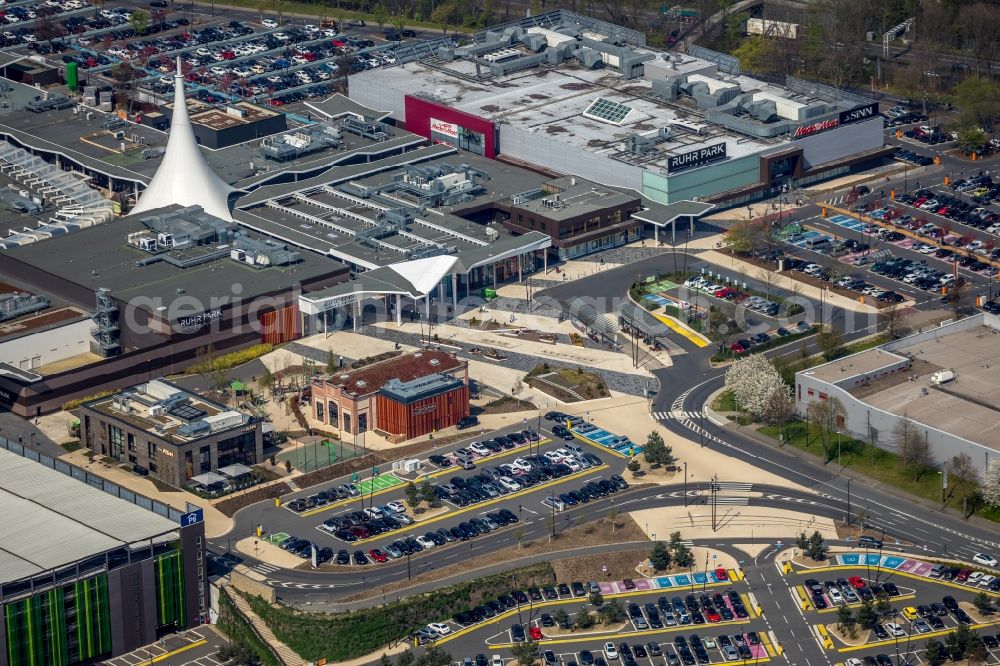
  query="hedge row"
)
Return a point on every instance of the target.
[{"x": 230, "y": 360}]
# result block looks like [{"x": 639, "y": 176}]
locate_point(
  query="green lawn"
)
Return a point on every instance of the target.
[
  {"x": 879, "y": 464},
  {"x": 726, "y": 402}
]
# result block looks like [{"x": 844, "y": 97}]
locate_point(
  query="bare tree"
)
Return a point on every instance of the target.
[
  {"x": 964, "y": 478},
  {"x": 892, "y": 319},
  {"x": 958, "y": 297},
  {"x": 912, "y": 446},
  {"x": 769, "y": 279},
  {"x": 826, "y": 417}
]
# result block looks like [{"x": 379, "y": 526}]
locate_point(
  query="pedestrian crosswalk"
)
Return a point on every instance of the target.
[
  {"x": 678, "y": 415},
  {"x": 265, "y": 568},
  {"x": 732, "y": 499},
  {"x": 734, "y": 486}
]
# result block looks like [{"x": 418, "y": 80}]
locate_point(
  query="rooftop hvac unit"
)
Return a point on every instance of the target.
[
  {"x": 411, "y": 465},
  {"x": 165, "y": 240},
  {"x": 224, "y": 420},
  {"x": 157, "y": 410}
]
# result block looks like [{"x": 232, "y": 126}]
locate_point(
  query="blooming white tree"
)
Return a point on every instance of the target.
[
  {"x": 991, "y": 484},
  {"x": 755, "y": 384}
]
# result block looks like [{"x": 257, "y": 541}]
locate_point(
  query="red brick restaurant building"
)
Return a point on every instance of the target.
[{"x": 406, "y": 396}]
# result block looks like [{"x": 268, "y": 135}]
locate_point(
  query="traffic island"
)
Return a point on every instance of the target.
[
  {"x": 860, "y": 636},
  {"x": 267, "y": 552}
]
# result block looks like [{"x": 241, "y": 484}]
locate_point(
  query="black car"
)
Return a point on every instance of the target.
[
  {"x": 562, "y": 431},
  {"x": 360, "y": 557},
  {"x": 343, "y": 557},
  {"x": 466, "y": 422},
  {"x": 440, "y": 461},
  {"x": 578, "y": 589}
]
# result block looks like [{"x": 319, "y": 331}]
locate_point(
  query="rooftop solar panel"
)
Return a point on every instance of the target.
[{"x": 186, "y": 412}]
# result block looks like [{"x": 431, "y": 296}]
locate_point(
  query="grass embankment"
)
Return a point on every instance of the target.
[
  {"x": 343, "y": 636},
  {"x": 876, "y": 463}
]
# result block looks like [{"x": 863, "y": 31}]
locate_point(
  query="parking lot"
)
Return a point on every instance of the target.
[
  {"x": 898, "y": 603},
  {"x": 270, "y": 60},
  {"x": 476, "y": 488},
  {"x": 669, "y": 620}
]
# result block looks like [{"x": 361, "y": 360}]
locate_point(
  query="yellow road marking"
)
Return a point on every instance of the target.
[
  {"x": 676, "y": 328},
  {"x": 190, "y": 646},
  {"x": 584, "y": 600},
  {"x": 912, "y": 637},
  {"x": 431, "y": 475},
  {"x": 479, "y": 505},
  {"x": 896, "y": 572}
]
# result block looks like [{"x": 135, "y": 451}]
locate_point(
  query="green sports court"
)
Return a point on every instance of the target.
[{"x": 379, "y": 483}]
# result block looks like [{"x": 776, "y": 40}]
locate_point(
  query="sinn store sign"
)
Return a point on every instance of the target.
[
  {"x": 813, "y": 128},
  {"x": 447, "y": 129},
  {"x": 697, "y": 158},
  {"x": 860, "y": 113}
]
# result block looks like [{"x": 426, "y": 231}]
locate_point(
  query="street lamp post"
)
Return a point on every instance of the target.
[{"x": 686, "y": 484}]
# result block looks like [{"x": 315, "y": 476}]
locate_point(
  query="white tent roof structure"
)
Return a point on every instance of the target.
[
  {"x": 184, "y": 177},
  {"x": 424, "y": 274}
]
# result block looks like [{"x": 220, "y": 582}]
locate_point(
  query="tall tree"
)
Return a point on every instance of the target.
[
  {"x": 963, "y": 476},
  {"x": 825, "y": 417},
  {"x": 912, "y": 446},
  {"x": 139, "y": 21},
  {"x": 991, "y": 484}
]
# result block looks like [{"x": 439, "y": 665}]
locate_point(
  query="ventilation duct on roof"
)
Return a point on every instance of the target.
[
  {"x": 589, "y": 58},
  {"x": 764, "y": 111},
  {"x": 534, "y": 42},
  {"x": 666, "y": 89}
]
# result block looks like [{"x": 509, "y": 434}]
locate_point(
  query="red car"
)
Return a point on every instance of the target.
[
  {"x": 725, "y": 292},
  {"x": 535, "y": 633},
  {"x": 377, "y": 555},
  {"x": 276, "y": 102},
  {"x": 737, "y": 348},
  {"x": 963, "y": 575},
  {"x": 712, "y": 615},
  {"x": 721, "y": 574},
  {"x": 856, "y": 582}
]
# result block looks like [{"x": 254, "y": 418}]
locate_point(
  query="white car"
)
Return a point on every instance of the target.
[
  {"x": 425, "y": 542},
  {"x": 986, "y": 580},
  {"x": 985, "y": 559},
  {"x": 480, "y": 449},
  {"x": 573, "y": 464},
  {"x": 835, "y": 596},
  {"x": 610, "y": 650},
  {"x": 552, "y": 456},
  {"x": 854, "y": 661},
  {"x": 974, "y": 577},
  {"x": 269, "y": 23},
  {"x": 894, "y": 629},
  {"x": 397, "y": 507},
  {"x": 497, "y": 660},
  {"x": 373, "y": 512},
  {"x": 508, "y": 483},
  {"x": 439, "y": 628},
  {"x": 521, "y": 464}
]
